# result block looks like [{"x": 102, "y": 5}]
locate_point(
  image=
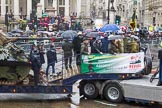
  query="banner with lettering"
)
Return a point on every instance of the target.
[{"x": 107, "y": 63}]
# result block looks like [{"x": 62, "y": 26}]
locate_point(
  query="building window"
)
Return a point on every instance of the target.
[
  {"x": 6, "y": 9},
  {"x": 61, "y": 2},
  {"x": 50, "y": 2},
  {"x": 62, "y": 11},
  {"x": 6, "y": 1}
]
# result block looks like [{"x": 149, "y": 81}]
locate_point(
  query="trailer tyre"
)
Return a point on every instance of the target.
[
  {"x": 113, "y": 93},
  {"x": 148, "y": 66},
  {"x": 89, "y": 90}
]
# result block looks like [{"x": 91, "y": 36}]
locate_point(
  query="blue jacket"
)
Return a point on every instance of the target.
[{"x": 105, "y": 43}]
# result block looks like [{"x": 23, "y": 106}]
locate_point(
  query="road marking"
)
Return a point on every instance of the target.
[{"x": 114, "y": 105}]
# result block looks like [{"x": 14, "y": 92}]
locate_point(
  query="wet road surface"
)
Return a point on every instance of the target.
[{"x": 66, "y": 104}]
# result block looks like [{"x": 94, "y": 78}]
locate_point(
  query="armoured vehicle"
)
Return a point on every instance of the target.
[{"x": 14, "y": 65}]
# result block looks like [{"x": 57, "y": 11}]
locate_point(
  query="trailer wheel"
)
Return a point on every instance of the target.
[
  {"x": 148, "y": 66},
  {"x": 113, "y": 93},
  {"x": 89, "y": 90}
]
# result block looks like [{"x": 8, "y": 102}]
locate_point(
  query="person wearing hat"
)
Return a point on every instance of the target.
[{"x": 85, "y": 47}]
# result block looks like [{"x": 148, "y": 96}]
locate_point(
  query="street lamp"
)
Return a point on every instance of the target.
[{"x": 110, "y": 9}]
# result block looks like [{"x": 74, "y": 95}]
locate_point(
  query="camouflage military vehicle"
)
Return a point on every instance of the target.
[{"x": 14, "y": 65}]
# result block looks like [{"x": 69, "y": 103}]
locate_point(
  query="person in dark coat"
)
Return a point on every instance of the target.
[
  {"x": 51, "y": 59},
  {"x": 77, "y": 48},
  {"x": 35, "y": 63},
  {"x": 41, "y": 51},
  {"x": 93, "y": 50},
  {"x": 67, "y": 48},
  {"x": 105, "y": 43},
  {"x": 98, "y": 46}
]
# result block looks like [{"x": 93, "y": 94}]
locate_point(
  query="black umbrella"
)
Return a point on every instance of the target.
[
  {"x": 93, "y": 34},
  {"x": 69, "y": 34}
]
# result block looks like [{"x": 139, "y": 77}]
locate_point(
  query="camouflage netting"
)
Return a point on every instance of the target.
[{"x": 14, "y": 66}]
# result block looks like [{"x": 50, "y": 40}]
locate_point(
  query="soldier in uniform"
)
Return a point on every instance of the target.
[
  {"x": 127, "y": 41},
  {"x": 85, "y": 47},
  {"x": 134, "y": 46},
  {"x": 114, "y": 49},
  {"x": 120, "y": 45}
]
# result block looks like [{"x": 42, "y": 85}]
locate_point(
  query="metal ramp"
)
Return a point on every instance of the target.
[{"x": 64, "y": 75}]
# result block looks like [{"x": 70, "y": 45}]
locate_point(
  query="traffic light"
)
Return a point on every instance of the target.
[{"x": 117, "y": 19}]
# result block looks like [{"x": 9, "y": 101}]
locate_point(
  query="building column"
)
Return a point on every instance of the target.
[
  {"x": 55, "y": 6},
  {"x": 73, "y": 7},
  {"x": 88, "y": 9},
  {"x": 79, "y": 8},
  {"x": 42, "y": 2},
  {"x": 112, "y": 17},
  {"x": 67, "y": 8},
  {"x": 16, "y": 9},
  {"x": 3, "y": 9},
  {"x": 29, "y": 8}
]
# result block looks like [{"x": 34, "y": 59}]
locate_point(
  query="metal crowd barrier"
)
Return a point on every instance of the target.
[{"x": 27, "y": 46}]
